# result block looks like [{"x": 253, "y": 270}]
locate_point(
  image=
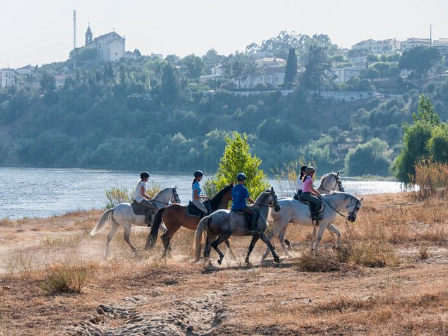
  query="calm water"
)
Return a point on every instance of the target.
[{"x": 37, "y": 192}]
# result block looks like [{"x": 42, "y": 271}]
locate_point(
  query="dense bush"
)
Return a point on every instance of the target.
[{"x": 371, "y": 158}]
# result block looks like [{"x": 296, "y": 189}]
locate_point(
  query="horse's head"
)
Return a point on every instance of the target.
[
  {"x": 353, "y": 209},
  {"x": 331, "y": 182},
  {"x": 174, "y": 195},
  {"x": 274, "y": 201}
]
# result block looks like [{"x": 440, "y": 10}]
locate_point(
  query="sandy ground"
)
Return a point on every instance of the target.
[{"x": 146, "y": 295}]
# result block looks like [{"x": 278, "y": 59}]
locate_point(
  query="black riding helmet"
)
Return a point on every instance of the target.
[
  {"x": 241, "y": 177},
  {"x": 303, "y": 168},
  {"x": 198, "y": 173},
  {"x": 144, "y": 175}
]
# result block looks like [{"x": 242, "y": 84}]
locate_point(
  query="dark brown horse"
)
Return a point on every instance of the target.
[{"x": 175, "y": 216}]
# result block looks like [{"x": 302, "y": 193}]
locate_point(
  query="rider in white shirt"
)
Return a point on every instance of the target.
[{"x": 141, "y": 197}]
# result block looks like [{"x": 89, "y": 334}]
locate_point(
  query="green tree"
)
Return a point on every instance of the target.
[
  {"x": 194, "y": 65},
  {"x": 170, "y": 87},
  {"x": 438, "y": 144},
  {"x": 237, "y": 159},
  {"x": 291, "y": 68},
  {"x": 252, "y": 70},
  {"x": 317, "y": 69},
  {"x": 420, "y": 60},
  {"x": 415, "y": 141},
  {"x": 371, "y": 158}
]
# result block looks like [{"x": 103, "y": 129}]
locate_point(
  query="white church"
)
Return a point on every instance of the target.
[{"x": 110, "y": 47}]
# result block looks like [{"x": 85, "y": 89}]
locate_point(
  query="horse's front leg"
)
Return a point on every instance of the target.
[
  {"x": 251, "y": 247},
  {"x": 268, "y": 243},
  {"x": 320, "y": 233},
  {"x": 333, "y": 230}
]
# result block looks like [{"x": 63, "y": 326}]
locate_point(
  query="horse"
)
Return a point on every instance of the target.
[
  {"x": 299, "y": 213},
  {"x": 225, "y": 223},
  {"x": 328, "y": 183},
  {"x": 176, "y": 216},
  {"x": 123, "y": 215}
]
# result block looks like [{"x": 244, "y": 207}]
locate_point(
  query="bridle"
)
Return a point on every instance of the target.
[
  {"x": 174, "y": 198},
  {"x": 351, "y": 215},
  {"x": 269, "y": 205}
]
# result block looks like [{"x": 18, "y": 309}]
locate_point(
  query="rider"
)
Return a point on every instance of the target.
[
  {"x": 196, "y": 187},
  {"x": 142, "y": 198},
  {"x": 309, "y": 193},
  {"x": 299, "y": 184},
  {"x": 239, "y": 196}
]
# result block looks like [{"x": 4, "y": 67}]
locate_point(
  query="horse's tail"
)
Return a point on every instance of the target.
[
  {"x": 198, "y": 236},
  {"x": 152, "y": 237},
  {"x": 105, "y": 217}
]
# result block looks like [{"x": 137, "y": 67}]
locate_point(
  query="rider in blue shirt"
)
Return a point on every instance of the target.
[
  {"x": 239, "y": 196},
  {"x": 196, "y": 191}
]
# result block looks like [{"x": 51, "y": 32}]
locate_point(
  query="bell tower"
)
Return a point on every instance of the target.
[{"x": 88, "y": 35}]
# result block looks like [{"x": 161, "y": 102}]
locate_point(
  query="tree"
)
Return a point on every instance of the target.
[
  {"x": 194, "y": 65},
  {"x": 291, "y": 68},
  {"x": 137, "y": 53},
  {"x": 47, "y": 82},
  {"x": 415, "y": 141},
  {"x": 370, "y": 158},
  {"x": 420, "y": 60},
  {"x": 252, "y": 70},
  {"x": 317, "y": 69},
  {"x": 438, "y": 144},
  {"x": 237, "y": 159},
  {"x": 170, "y": 86}
]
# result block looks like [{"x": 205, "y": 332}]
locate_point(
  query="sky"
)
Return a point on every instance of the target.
[{"x": 40, "y": 32}]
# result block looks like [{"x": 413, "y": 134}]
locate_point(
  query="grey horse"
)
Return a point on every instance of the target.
[
  {"x": 222, "y": 224},
  {"x": 328, "y": 183},
  {"x": 123, "y": 215},
  {"x": 299, "y": 213}
]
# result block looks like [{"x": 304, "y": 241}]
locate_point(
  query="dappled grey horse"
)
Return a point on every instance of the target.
[
  {"x": 299, "y": 213},
  {"x": 222, "y": 224},
  {"x": 328, "y": 183},
  {"x": 123, "y": 215}
]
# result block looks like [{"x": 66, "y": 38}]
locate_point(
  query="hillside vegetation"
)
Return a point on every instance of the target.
[{"x": 146, "y": 113}]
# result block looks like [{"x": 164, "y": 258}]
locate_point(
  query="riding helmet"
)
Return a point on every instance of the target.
[
  {"x": 241, "y": 177},
  {"x": 310, "y": 170},
  {"x": 198, "y": 173},
  {"x": 144, "y": 175},
  {"x": 303, "y": 168}
]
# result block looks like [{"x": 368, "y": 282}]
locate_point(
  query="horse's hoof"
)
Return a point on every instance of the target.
[
  {"x": 277, "y": 259},
  {"x": 220, "y": 261}
]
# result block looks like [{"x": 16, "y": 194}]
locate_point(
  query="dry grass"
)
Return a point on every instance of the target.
[
  {"x": 64, "y": 278},
  {"x": 432, "y": 179},
  {"x": 375, "y": 284}
]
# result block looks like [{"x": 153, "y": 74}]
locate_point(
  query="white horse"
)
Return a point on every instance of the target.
[
  {"x": 299, "y": 213},
  {"x": 328, "y": 183},
  {"x": 123, "y": 215}
]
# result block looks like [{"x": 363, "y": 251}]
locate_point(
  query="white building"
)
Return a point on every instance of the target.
[
  {"x": 271, "y": 62},
  {"x": 110, "y": 47},
  {"x": 378, "y": 46},
  {"x": 7, "y": 77},
  {"x": 270, "y": 76},
  {"x": 414, "y": 42},
  {"x": 344, "y": 74},
  {"x": 357, "y": 60},
  {"x": 26, "y": 70}
]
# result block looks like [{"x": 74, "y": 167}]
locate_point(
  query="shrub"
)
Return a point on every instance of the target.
[
  {"x": 373, "y": 254},
  {"x": 369, "y": 158},
  {"x": 432, "y": 179},
  {"x": 63, "y": 278},
  {"x": 323, "y": 262}
]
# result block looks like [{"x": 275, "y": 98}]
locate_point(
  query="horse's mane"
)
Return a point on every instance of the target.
[
  {"x": 324, "y": 177},
  {"x": 161, "y": 192},
  {"x": 214, "y": 202}
]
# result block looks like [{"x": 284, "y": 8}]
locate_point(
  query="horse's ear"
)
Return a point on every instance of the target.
[
  {"x": 337, "y": 174},
  {"x": 361, "y": 199},
  {"x": 272, "y": 189}
]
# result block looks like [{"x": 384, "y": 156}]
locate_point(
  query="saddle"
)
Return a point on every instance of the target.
[
  {"x": 301, "y": 200},
  {"x": 139, "y": 210},
  {"x": 194, "y": 211},
  {"x": 246, "y": 215}
]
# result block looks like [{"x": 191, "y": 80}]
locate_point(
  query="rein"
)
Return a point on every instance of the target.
[{"x": 357, "y": 202}]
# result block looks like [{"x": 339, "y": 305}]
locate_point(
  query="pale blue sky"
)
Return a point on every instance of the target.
[{"x": 37, "y": 32}]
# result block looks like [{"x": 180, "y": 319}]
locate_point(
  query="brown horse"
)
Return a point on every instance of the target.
[{"x": 175, "y": 216}]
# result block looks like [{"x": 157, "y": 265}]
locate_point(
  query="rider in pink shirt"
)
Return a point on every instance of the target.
[{"x": 309, "y": 193}]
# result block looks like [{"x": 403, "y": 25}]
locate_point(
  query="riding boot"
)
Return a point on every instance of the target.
[
  {"x": 148, "y": 218},
  {"x": 253, "y": 224}
]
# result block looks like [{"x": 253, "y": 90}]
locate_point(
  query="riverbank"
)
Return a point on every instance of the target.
[{"x": 389, "y": 279}]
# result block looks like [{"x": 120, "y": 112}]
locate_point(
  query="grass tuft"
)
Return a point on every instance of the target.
[
  {"x": 63, "y": 278},
  {"x": 323, "y": 262}
]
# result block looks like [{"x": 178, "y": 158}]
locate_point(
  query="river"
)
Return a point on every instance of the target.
[{"x": 45, "y": 192}]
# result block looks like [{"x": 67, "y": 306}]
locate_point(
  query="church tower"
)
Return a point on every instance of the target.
[{"x": 88, "y": 35}]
